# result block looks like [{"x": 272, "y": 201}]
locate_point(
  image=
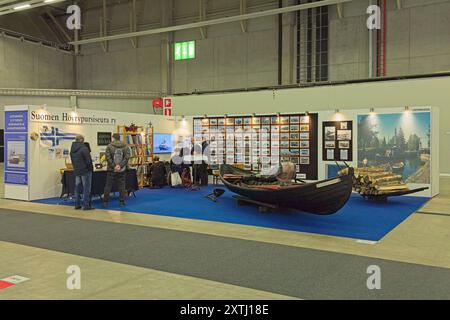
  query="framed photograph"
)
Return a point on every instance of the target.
[
  {"x": 274, "y": 120},
  {"x": 284, "y": 136},
  {"x": 344, "y": 144},
  {"x": 284, "y": 120},
  {"x": 265, "y": 152},
  {"x": 294, "y": 144},
  {"x": 265, "y": 120},
  {"x": 255, "y": 167},
  {"x": 304, "y": 135},
  {"x": 330, "y": 154},
  {"x": 275, "y": 143},
  {"x": 265, "y": 128},
  {"x": 205, "y": 122},
  {"x": 295, "y": 127},
  {"x": 304, "y": 152},
  {"x": 304, "y": 161},
  {"x": 330, "y": 133},
  {"x": 297, "y": 169},
  {"x": 238, "y": 121},
  {"x": 294, "y": 160},
  {"x": 275, "y": 136},
  {"x": 275, "y": 128},
  {"x": 295, "y": 136},
  {"x": 230, "y": 159},
  {"x": 230, "y": 151},
  {"x": 344, "y": 125},
  {"x": 295, "y": 152},
  {"x": 330, "y": 144},
  {"x": 247, "y": 121},
  {"x": 304, "y": 144},
  {"x": 229, "y": 121},
  {"x": 265, "y": 144},
  {"x": 256, "y": 121},
  {"x": 275, "y": 160},
  {"x": 221, "y": 121},
  {"x": 265, "y": 160},
  {"x": 304, "y": 128},
  {"x": 344, "y": 154},
  {"x": 295, "y": 120},
  {"x": 239, "y": 144},
  {"x": 197, "y": 122},
  {"x": 284, "y": 128},
  {"x": 285, "y": 159},
  {"x": 344, "y": 135},
  {"x": 304, "y": 120},
  {"x": 213, "y": 122},
  {"x": 285, "y": 152}
]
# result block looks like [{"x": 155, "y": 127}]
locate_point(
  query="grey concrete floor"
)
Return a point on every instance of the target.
[{"x": 423, "y": 239}]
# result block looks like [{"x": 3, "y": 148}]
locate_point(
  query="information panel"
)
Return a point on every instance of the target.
[{"x": 16, "y": 147}]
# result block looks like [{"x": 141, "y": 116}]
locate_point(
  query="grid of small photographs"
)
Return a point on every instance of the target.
[
  {"x": 337, "y": 141},
  {"x": 257, "y": 143}
]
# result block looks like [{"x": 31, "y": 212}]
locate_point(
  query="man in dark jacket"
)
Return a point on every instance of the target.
[
  {"x": 117, "y": 155},
  {"x": 158, "y": 173},
  {"x": 83, "y": 168}
]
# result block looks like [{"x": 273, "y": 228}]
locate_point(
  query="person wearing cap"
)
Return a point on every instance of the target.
[
  {"x": 117, "y": 156},
  {"x": 83, "y": 168}
]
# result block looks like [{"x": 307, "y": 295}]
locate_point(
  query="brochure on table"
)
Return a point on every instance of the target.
[{"x": 38, "y": 141}]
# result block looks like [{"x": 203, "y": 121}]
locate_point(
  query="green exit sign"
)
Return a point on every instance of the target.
[{"x": 184, "y": 50}]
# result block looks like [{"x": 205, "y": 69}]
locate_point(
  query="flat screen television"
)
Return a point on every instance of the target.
[{"x": 163, "y": 143}]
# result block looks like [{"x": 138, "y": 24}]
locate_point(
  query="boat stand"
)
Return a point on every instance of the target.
[{"x": 262, "y": 206}]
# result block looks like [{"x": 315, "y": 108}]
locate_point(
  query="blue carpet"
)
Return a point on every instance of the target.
[{"x": 359, "y": 219}]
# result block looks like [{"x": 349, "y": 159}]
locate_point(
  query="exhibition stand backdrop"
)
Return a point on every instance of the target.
[
  {"x": 38, "y": 141},
  {"x": 405, "y": 140}
]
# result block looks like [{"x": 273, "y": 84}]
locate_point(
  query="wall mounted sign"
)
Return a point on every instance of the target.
[
  {"x": 184, "y": 50},
  {"x": 16, "y": 147},
  {"x": 103, "y": 138}
]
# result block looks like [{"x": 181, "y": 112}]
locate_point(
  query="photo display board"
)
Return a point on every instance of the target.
[
  {"x": 401, "y": 142},
  {"x": 337, "y": 141},
  {"x": 261, "y": 142}
]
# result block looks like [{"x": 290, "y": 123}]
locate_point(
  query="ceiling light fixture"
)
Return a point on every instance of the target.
[{"x": 22, "y": 6}]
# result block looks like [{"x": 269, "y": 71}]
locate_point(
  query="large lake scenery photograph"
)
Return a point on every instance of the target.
[{"x": 400, "y": 142}]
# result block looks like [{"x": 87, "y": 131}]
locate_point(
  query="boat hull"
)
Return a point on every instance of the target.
[{"x": 322, "y": 198}]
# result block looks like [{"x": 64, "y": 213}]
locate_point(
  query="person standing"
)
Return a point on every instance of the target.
[
  {"x": 203, "y": 170},
  {"x": 117, "y": 156},
  {"x": 83, "y": 168},
  {"x": 196, "y": 154}
]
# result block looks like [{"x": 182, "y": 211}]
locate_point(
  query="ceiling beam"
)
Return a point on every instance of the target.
[{"x": 200, "y": 24}]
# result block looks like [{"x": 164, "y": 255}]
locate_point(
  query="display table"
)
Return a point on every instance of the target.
[{"x": 98, "y": 183}]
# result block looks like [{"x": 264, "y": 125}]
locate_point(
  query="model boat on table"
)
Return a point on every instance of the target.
[{"x": 322, "y": 198}]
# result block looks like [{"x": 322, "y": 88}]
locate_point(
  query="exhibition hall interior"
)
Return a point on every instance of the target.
[{"x": 245, "y": 150}]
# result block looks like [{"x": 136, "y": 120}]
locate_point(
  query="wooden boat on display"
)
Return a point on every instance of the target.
[{"x": 321, "y": 198}]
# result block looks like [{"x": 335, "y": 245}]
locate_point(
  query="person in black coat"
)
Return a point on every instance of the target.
[
  {"x": 83, "y": 168},
  {"x": 158, "y": 173}
]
